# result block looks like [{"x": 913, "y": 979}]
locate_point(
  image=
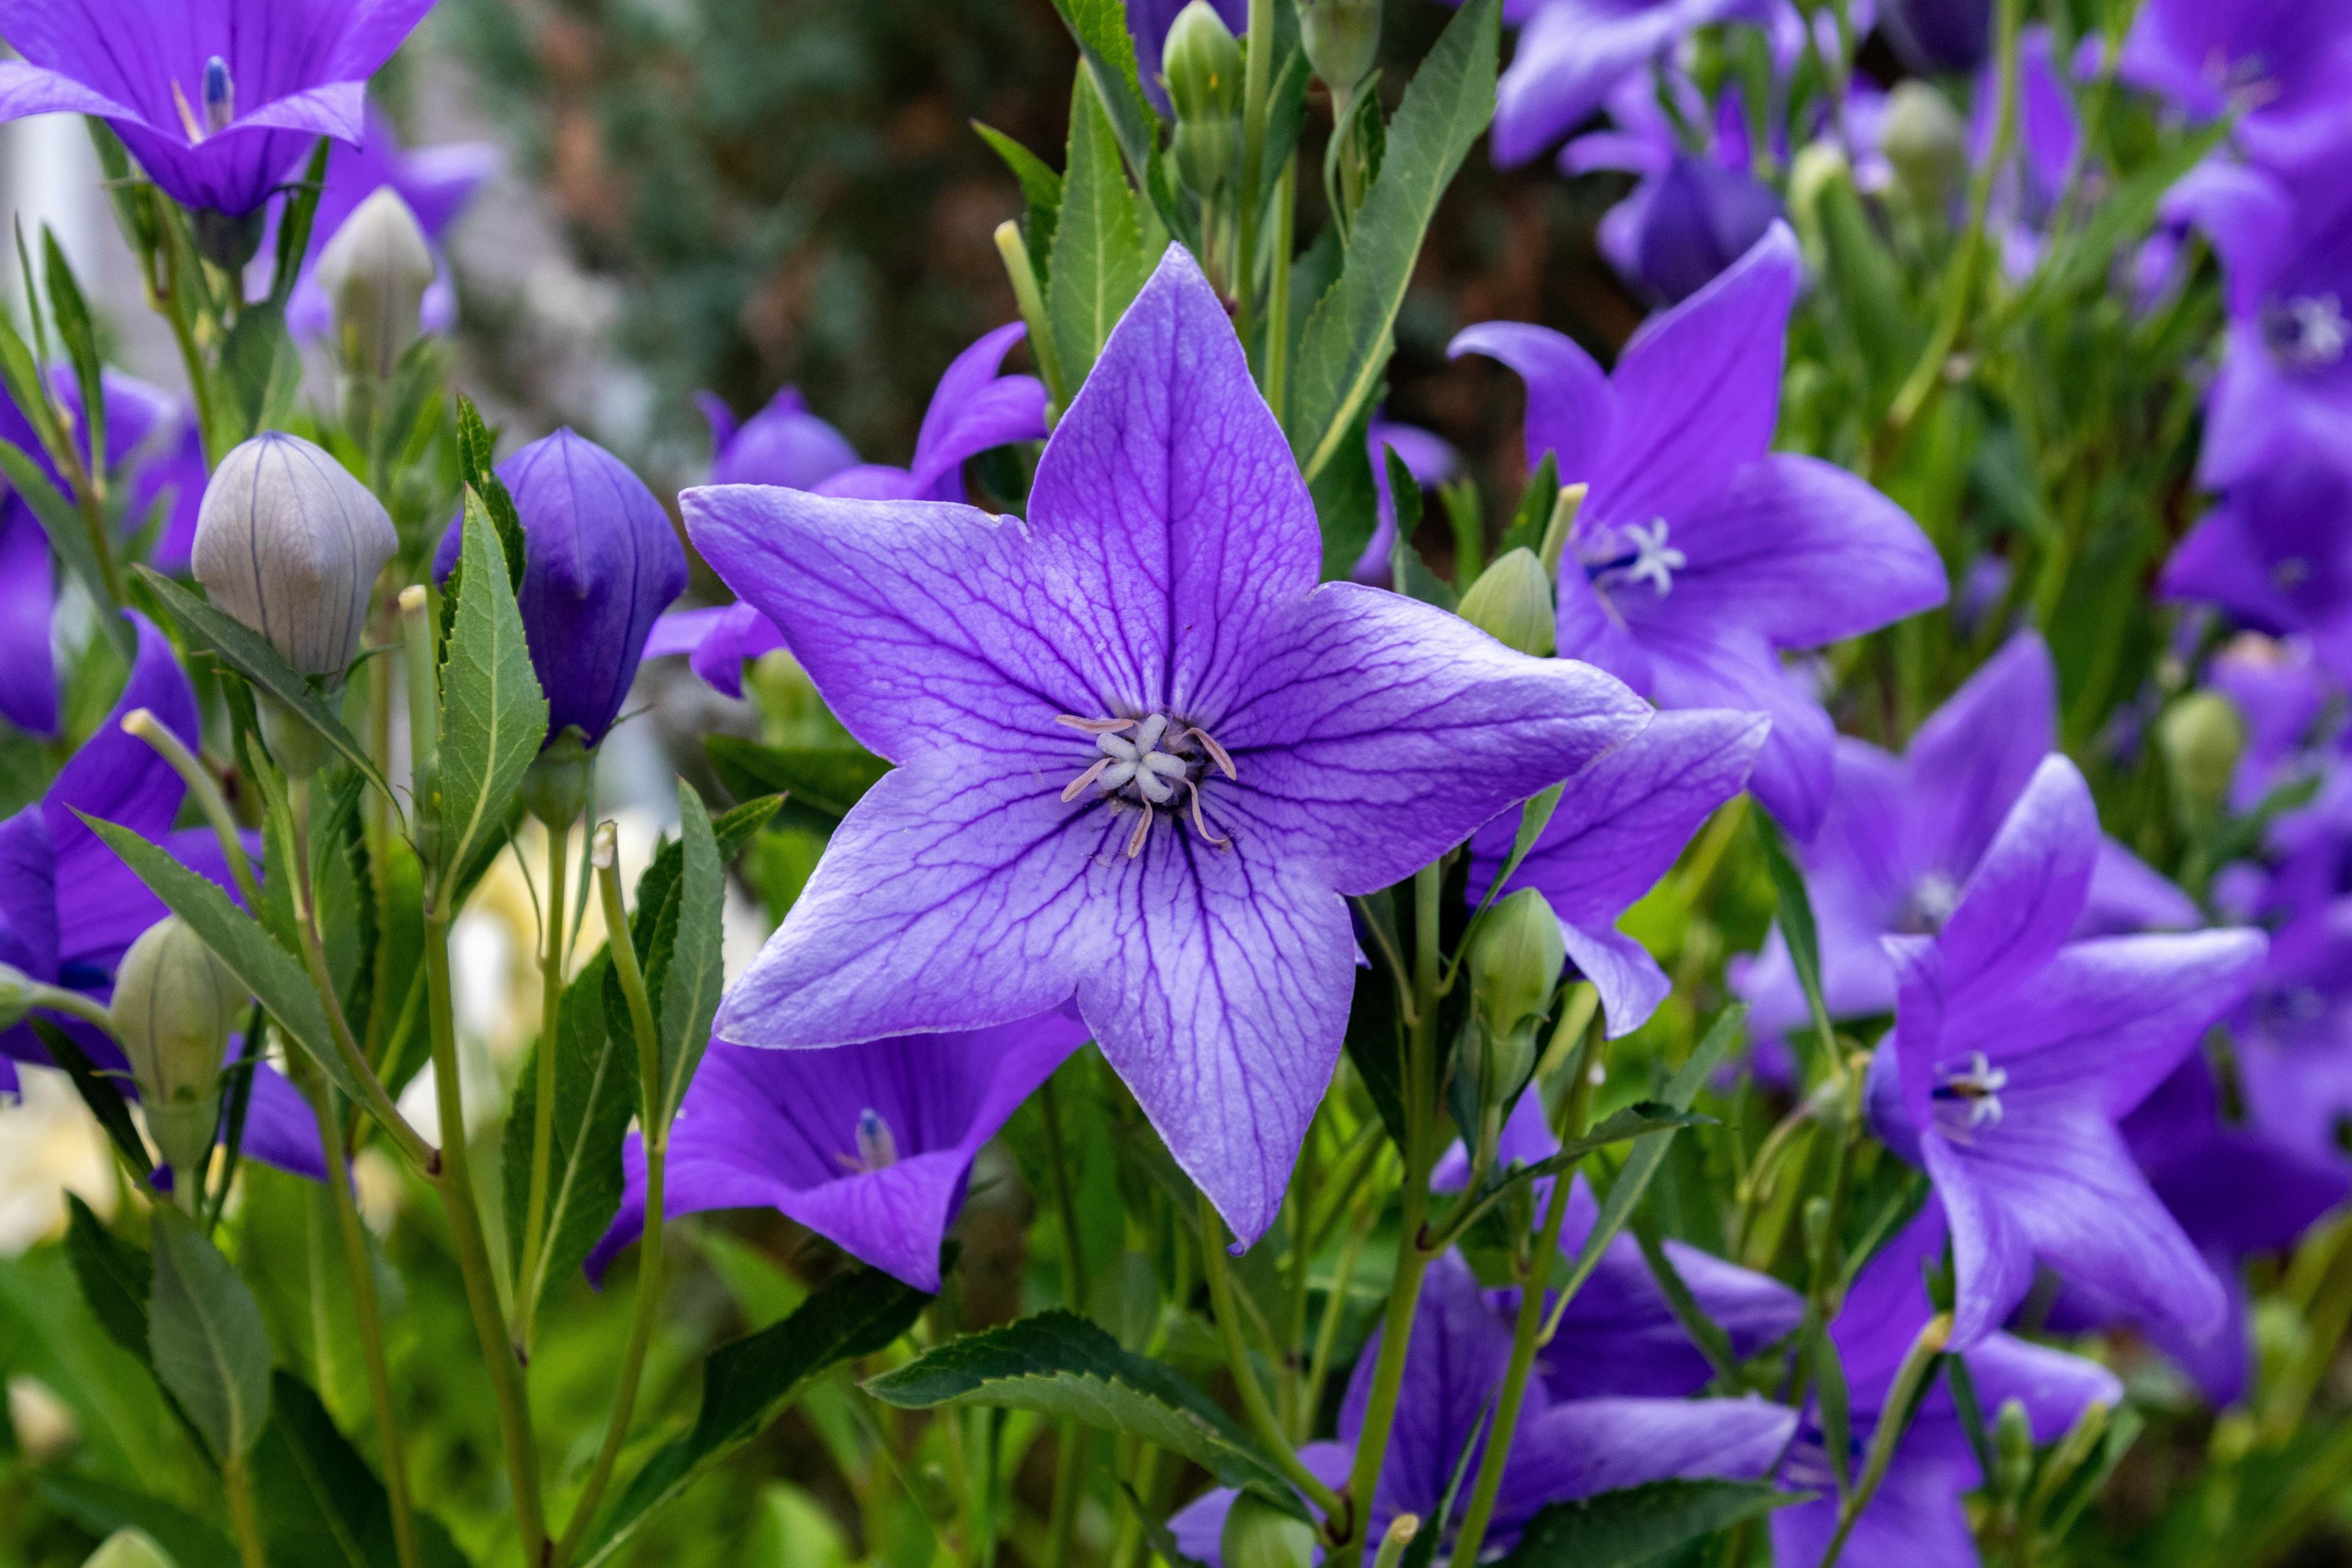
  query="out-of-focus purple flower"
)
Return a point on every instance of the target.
[
  {"x": 973, "y": 410},
  {"x": 1575, "y": 1438},
  {"x": 1904, "y": 834},
  {"x": 70, "y": 907},
  {"x": 1983, "y": 586},
  {"x": 1572, "y": 54},
  {"x": 1619, "y": 825},
  {"x": 2284, "y": 391},
  {"x": 603, "y": 561},
  {"x": 1149, "y": 21},
  {"x": 1429, "y": 457},
  {"x": 1699, "y": 557},
  {"x": 218, "y": 100},
  {"x": 1936, "y": 36},
  {"x": 2293, "y": 1033},
  {"x": 2278, "y": 689},
  {"x": 1149, "y": 649},
  {"x": 2284, "y": 66},
  {"x": 868, "y": 1145},
  {"x": 2025, "y": 192},
  {"x": 2015, "y": 1052},
  {"x": 2276, "y": 550},
  {"x": 436, "y": 181},
  {"x": 1690, "y": 216},
  {"x": 1914, "y": 1518}
]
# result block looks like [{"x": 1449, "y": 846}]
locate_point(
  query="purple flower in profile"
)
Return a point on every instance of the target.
[
  {"x": 2284, "y": 390},
  {"x": 1903, "y": 834},
  {"x": 2015, "y": 1053},
  {"x": 972, "y": 410},
  {"x": 2275, "y": 550},
  {"x": 1572, "y": 54},
  {"x": 1141, "y": 756},
  {"x": 1576, "y": 1437},
  {"x": 1618, "y": 827},
  {"x": 1691, "y": 215},
  {"x": 868, "y": 1145},
  {"x": 2292, "y": 1035},
  {"x": 436, "y": 181},
  {"x": 2283, "y": 67},
  {"x": 1429, "y": 457},
  {"x": 1699, "y": 556},
  {"x": 70, "y": 907},
  {"x": 218, "y": 100},
  {"x": 1914, "y": 1518},
  {"x": 1937, "y": 35},
  {"x": 602, "y": 560}
]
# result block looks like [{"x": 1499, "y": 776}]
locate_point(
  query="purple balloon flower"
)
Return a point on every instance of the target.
[
  {"x": 1618, "y": 827},
  {"x": 1146, "y": 650},
  {"x": 973, "y": 410},
  {"x": 1572, "y": 54},
  {"x": 1690, "y": 216},
  {"x": 1698, "y": 556},
  {"x": 2276, "y": 550},
  {"x": 868, "y": 1146},
  {"x": 603, "y": 561},
  {"x": 1575, "y": 1438},
  {"x": 436, "y": 181},
  {"x": 218, "y": 100},
  {"x": 2014, "y": 1054},
  {"x": 2291, "y": 1033},
  {"x": 70, "y": 907},
  {"x": 1903, "y": 834},
  {"x": 1914, "y": 1518},
  {"x": 2279, "y": 689},
  {"x": 2283, "y": 66},
  {"x": 784, "y": 444}
]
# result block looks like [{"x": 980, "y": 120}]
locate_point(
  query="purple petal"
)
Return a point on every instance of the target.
[
  {"x": 28, "y": 675},
  {"x": 1915, "y": 1520},
  {"x": 973, "y": 410},
  {"x": 1699, "y": 668},
  {"x": 1974, "y": 756},
  {"x": 2027, "y": 890},
  {"x": 1571, "y": 411},
  {"x": 784, "y": 444},
  {"x": 1586, "y": 1446}
]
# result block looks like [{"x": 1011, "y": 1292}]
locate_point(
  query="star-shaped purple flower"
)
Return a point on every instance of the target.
[
  {"x": 1573, "y": 53},
  {"x": 2284, "y": 66},
  {"x": 868, "y": 1146},
  {"x": 1699, "y": 556},
  {"x": 1141, "y": 756},
  {"x": 2014, "y": 1054},
  {"x": 1903, "y": 835},
  {"x": 217, "y": 100},
  {"x": 2276, "y": 550}
]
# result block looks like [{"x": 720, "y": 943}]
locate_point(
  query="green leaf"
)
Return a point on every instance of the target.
[
  {"x": 1108, "y": 49},
  {"x": 1640, "y": 1524},
  {"x": 1042, "y": 187},
  {"x": 260, "y": 368},
  {"x": 102, "y": 1507},
  {"x": 322, "y": 1503},
  {"x": 1059, "y": 1365},
  {"x": 295, "y": 221},
  {"x": 686, "y": 976},
  {"x": 68, "y": 534},
  {"x": 205, "y": 1334},
  {"x": 1097, "y": 258},
  {"x": 79, "y": 336},
  {"x": 97, "y": 1093},
  {"x": 748, "y": 1384},
  {"x": 820, "y": 783},
  {"x": 596, "y": 1095},
  {"x": 115, "y": 1276},
  {"x": 1797, "y": 925},
  {"x": 1533, "y": 514},
  {"x": 1346, "y": 505},
  {"x": 1410, "y": 573},
  {"x": 1639, "y": 1119},
  {"x": 493, "y": 715},
  {"x": 273, "y": 974},
  {"x": 249, "y": 653},
  {"x": 476, "y": 459},
  {"x": 1350, "y": 337}
]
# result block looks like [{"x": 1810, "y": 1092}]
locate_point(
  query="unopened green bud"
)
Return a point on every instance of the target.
[
  {"x": 289, "y": 542},
  {"x": 1516, "y": 957},
  {"x": 1511, "y": 601},
  {"x": 175, "y": 1004},
  {"x": 2202, "y": 737},
  {"x": 2013, "y": 1448},
  {"x": 1205, "y": 152},
  {"x": 1259, "y": 1535},
  {"x": 1201, "y": 63},
  {"x": 1924, "y": 140},
  {"x": 375, "y": 271},
  {"x": 1342, "y": 39},
  {"x": 129, "y": 1548},
  {"x": 555, "y": 789}
]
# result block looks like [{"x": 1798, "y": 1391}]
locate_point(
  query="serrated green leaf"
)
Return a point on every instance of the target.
[
  {"x": 1638, "y": 1524},
  {"x": 1350, "y": 337},
  {"x": 207, "y": 1339},
  {"x": 476, "y": 459},
  {"x": 1108, "y": 49},
  {"x": 115, "y": 1276},
  {"x": 747, "y": 1384},
  {"x": 321, "y": 1503},
  {"x": 820, "y": 783},
  {"x": 79, "y": 336},
  {"x": 249, "y": 653},
  {"x": 1059, "y": 1365},
  {"x": 1041, "y": 186},
  {"x": 1097, "y": 258},
  {"x": 102, "y": 1507},
  {"x": 273, "y": 974},
  {"x": 493, "y": 714},
  {"x": 691, "y": 975},
  {"x": 596, "y": 1095}
]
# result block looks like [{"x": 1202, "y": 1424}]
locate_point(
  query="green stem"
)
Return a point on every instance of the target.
[
  {"x": 1070, "y": 1437},
  {"x": 654, "y": 1129},
  {"x": 1399, "y": 1535},
  {"x": 543, "y": 1126},
  {"x": 1277, "y": 287},
  {"x": 173, "y": 303},
  {"x": 1326, "y": 1332},
  {"x": 1258, "y": 79},
  {"x": 206, "y": 791},
  {"x": 236, "y": 1485},
  {"x": 1254, "y": 1401},
  {"x": 1894, "y": 1420},
  {"x": 1014, "y": 252},
  {"x": 73, "y": 1004}
]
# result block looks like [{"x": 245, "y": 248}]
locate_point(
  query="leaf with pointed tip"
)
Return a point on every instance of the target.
[
  {"x": 493, "y": 714},
  {"x": 102, "y": 1508},
  {"x": 97, "y": 1093},
  {"x": 1041, "y": 187},
  {"x": 115, "y": 1278},
  {"x": 596, "y": 1095},
  {"x": 319, "y": 1498},
  {"x": 820, "y": 783},
  {"x": 686, "y": 984},
  {"x": 68, "y": 534},
  {"x": 1097, "y": 258},
  {"x": 207, "y": 1339}
]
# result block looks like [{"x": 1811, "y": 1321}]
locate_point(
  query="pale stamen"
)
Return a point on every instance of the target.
[
  {"x": 1976, "y": 1091},
  {"x": 1144, "y": 762}
]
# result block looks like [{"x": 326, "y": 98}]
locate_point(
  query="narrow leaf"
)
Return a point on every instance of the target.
[
  {"x": 595, "y": 1094},
  {"x": 68, "y": 534},
  {"x": 688, "y": 973},
  {"x": 79, "y": 336},
  {"x": 1639, "y": 1524},
  {"x": 321, "y": 1502},
  {"x": 115, "y": 1276},
  {"x": 819, "y": 782},
  {"x": 1410, "y": 574},
  {"x": 102, "y": 1508},
  {"x": 1041, "y": 186},
  {"x": 205, "y": 1334},
  {"x": 1797, "y": 925},
  {"x": 493, "y": 715},
  {"x": 1097, "y": 258},
  {"x": 1108, "y": 51},
  {"x": 477, "y": 457}
]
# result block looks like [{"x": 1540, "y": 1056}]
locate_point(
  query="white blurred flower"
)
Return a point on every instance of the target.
[{"x": 49, "y": 1145}]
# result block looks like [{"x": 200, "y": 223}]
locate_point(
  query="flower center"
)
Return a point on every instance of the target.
[
  {"x": 219, "y": 95},
  {"x": 1145, "y": 762},
  {"x": 1933, "y": 899},
  {"x": 1637, "y": 552},
  {"x": 1970, "y": 1098},
  {"x": 877, "y": 1149},
  {"x": 2306, "y": 332}
]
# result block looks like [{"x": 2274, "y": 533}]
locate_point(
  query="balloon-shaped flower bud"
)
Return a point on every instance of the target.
[
  {"x": 1203, "y": 71},
  {"x": 1511, "y": 601},
  {"x": 1342, "y": 39},
  {"x": 375, "y": 271},
  {"x": 600, "y": 562},
  {"x": 128, "y": 1547},
  {"x": 2202, "y": 738},
  {"x": 1926, "y": 143},
  {"x": 289, "y": 542},
  {"x": 175, "y": 1004},
  {"x": 1259, "y": 1535},
  {"x": 1516, "y": 958}
]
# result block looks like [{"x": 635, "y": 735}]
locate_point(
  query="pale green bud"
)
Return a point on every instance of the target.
[
  {"x": 1205, "y": 152},
  {"x": 375, "y": 271},
  {"x": 1924, "y": 140},
  {"x": 129, "y": 1548},
  {"x": 1342, "y": 39},
  {"x": 175, "y": 1004},
  {"x": 289, "y": 542},
  {"x": 1516, "y": 958},
  {"x": 2202, "y": 737},
  {"x": 1511, "y": 601},
  {"x": 1201, "y": 63},
  {"x": 1259, "y": 1535}
]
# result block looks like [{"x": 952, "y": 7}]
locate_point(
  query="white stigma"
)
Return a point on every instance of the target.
[
  {"x": 2309, "y": 332},
  {"x": 1142, "y": 763},
  {"x": 1933, "y": 899},
  {"x": 1654, "y": 561},
  {"x": 1973, "y": 1095}
]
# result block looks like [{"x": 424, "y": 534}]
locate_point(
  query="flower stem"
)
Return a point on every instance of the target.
[
  {"x": 237, "y": 1486},
  {"x": 1277, "y": 287},
  {"x": 1894, "y": 1420},
  {"x": 543, "y": 1125},
  {"x": 1253, "y": 1400},
  {"x": 206, "y": 789},
  {"x": 605, "y": 860},
  {"x": 1258, "y": 79},
  {"x": 1070, "y": 1437}
]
